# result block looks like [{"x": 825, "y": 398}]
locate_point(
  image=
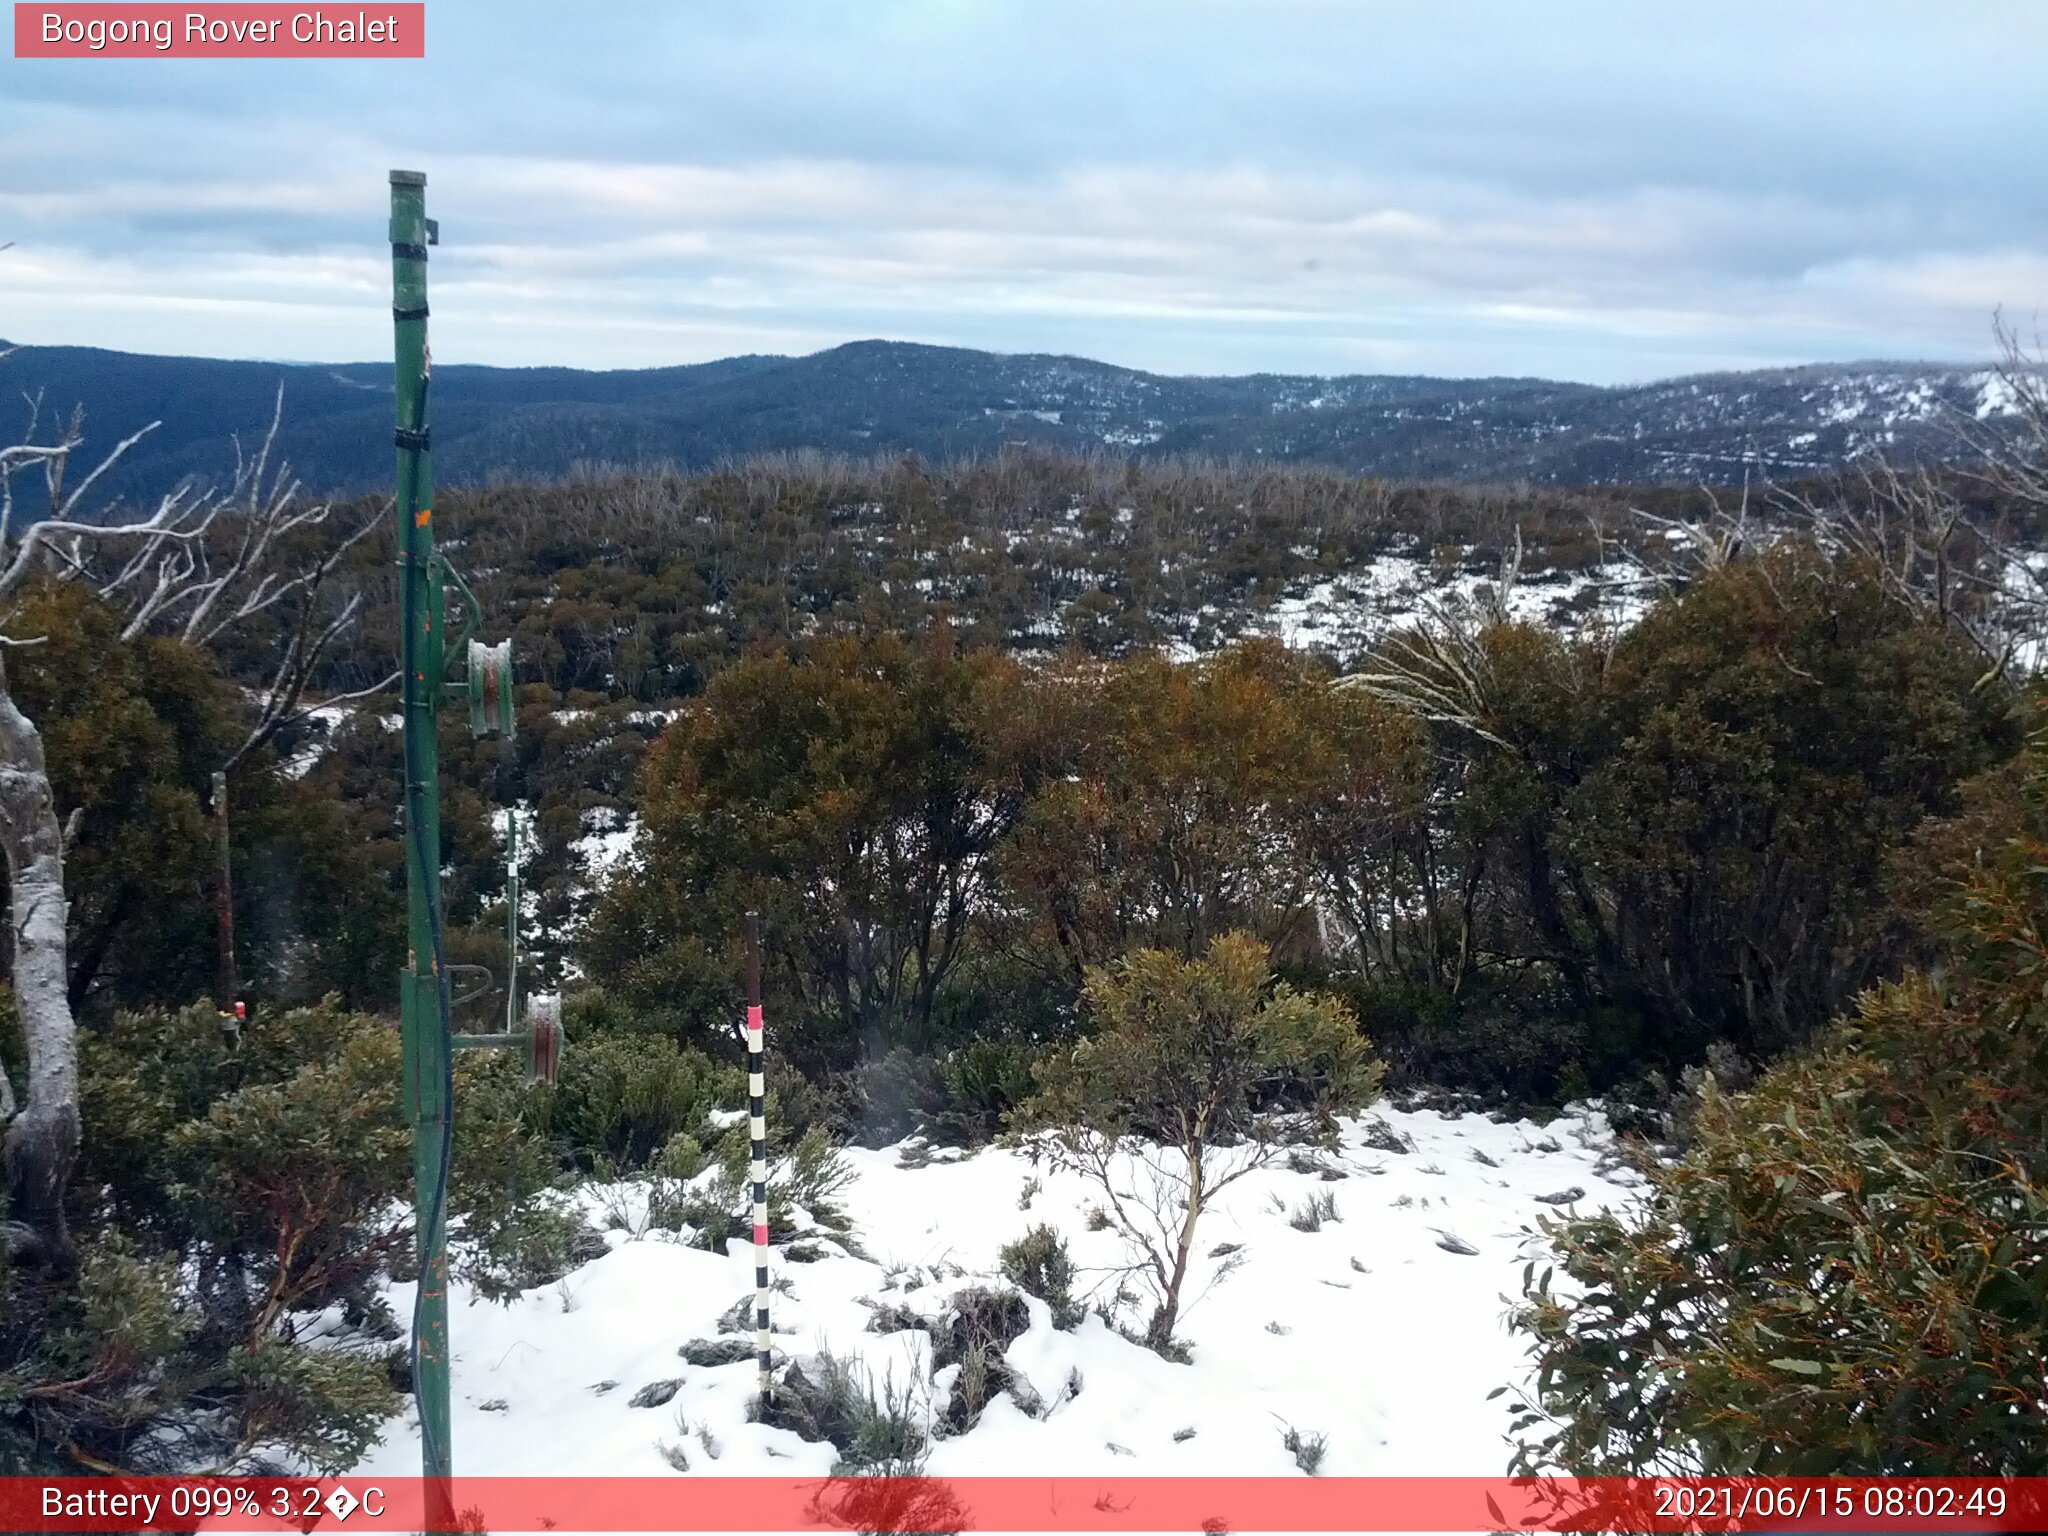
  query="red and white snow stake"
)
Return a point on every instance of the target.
[{"x": 757, "y": 1124}]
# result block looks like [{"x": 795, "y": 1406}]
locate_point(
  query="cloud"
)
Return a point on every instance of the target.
[{"x": 1196, "y": 186}]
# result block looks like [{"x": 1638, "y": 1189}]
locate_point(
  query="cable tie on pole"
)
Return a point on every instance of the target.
[
  {"x": 420, "y": 438},
  {"x": 409, "y": 314},
  {"x": 406, "y": 250}
]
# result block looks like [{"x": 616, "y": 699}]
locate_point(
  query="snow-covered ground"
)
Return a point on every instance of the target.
[
  {"x": 1345, "y": 615},
  {"x": 1376, "y": 1331}
]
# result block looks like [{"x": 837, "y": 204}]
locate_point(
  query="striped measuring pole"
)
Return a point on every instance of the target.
[{"x": 757, "y": 1123}]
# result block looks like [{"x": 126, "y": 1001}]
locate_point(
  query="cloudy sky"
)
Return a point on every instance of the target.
[{"x": 1578, "y": 189}]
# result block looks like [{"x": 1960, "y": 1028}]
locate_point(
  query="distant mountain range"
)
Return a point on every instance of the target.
[{"x": 941, "y": 402}]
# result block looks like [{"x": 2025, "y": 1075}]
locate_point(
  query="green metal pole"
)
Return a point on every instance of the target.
[
  {"x": 422, "y": 985},
  {"x": 511, "y": 919}
]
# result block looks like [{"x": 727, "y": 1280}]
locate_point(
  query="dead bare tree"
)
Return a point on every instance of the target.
[{"x": 199, "y": 562}]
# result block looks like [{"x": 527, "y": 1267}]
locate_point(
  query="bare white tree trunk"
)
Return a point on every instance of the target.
[{"x": 42, "y": 1135}]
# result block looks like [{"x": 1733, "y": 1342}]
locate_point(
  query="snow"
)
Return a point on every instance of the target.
[
  {"x": 1995, "y": 395},
  {"x": 1344, "y": 615},
  {"x": 329, "y": 718},
  {"x": 1368, "y": 1331},
  {"x": 607, "y": 842}
]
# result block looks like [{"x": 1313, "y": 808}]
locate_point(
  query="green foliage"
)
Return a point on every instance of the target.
[
  {"x": 986, "y": 1081},
  {"x": 961, "y": 1095},
  {"x": 1647, "y": 843},
  {"x": 1214, "y": 1059},
  {"x": 710, "y": 1193},
  {"x": 1206, "y": 1052},
  {"x": 223, "y": 1196},
  {"x": 1848, "y": 1272},
  {"x": 891, "y": 1095},
  {"x": 1768, "y": 739},
  {"x": 876, "y": 1427},
  {"x": 624, "y": 1097},
  {"x": 513, "y": 1230},
  {"x": 848, "y": 797},
  {"x": 308, "y": 1161},
  {"x": 1039, "y": 1265},
  {"x": 133, "y": 731}
]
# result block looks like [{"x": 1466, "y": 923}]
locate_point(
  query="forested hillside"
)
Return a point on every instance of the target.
[{"x": 500, "y": 424}]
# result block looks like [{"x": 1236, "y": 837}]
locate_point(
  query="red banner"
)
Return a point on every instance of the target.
[
  {"x": 1109, "y": 1503},
  {"x": 241, "y": 31}
]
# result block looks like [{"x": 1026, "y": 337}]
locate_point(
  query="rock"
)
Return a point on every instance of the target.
[
  {"x": 1562, "y": 1196},
  {"x": 655, "y": 1393},
  {"x": 1180, "y": 1435},
  {"x": 1224, "y": 1250},
  {"x": 1450, "y": 1242}
]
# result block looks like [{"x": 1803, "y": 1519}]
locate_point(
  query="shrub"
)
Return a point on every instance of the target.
[
  {"x": 877, "y": 1428},
  {"x": 1845, "y": 1274},
  {"x": 713, "y": 1194},
  {"x": 979, "y": 1324},
  {"x": 1308, "y": 1450},
  {"x": 893, "y": 1095},
  {"x": 223, "y": 1193},
  {"x": 985, "y": 1082},
  {"x": 1213, "y": 1059},
  {"x": 623, "y": 1097}
]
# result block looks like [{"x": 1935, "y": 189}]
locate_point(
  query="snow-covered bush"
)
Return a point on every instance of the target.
[{"x": 710, "y": 1193}]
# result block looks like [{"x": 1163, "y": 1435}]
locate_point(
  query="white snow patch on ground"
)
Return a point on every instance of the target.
[
  {"x": 1344, "y": 615},
  {"x": 1367, "y": 1331}
]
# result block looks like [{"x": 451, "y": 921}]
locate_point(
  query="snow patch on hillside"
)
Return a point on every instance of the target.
[
  {"x": 1344, "y": 615},
  {"x": 608, "y": 841}
]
